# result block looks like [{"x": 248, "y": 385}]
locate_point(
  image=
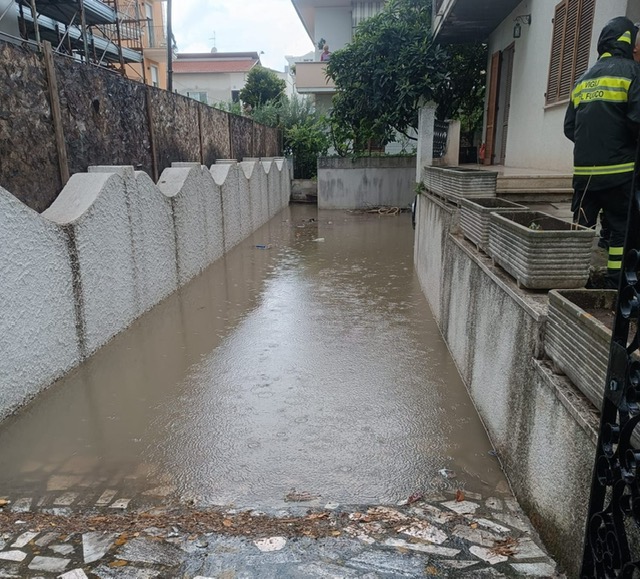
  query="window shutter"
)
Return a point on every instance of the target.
[
  {"x": 570, "y": 47},
  {"x": 559, "y": 21},
  {"x": 583, "y": 45},
  {"x": 569, "y": 50}
]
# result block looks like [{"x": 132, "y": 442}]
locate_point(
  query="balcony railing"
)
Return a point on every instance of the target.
[
  {"x": 311, "y": 77},
  {"x": 155, "y": 36}
]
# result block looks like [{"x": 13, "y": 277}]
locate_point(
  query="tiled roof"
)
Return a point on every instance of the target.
[{"x": 215, "y": 66}]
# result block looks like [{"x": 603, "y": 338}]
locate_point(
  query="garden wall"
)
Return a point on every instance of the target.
[
  {"x": 356, "y": 183},
  {"x": 542, "y": 427},
  {"x": 105, "y": 119},
  {"x": 110, "y": 247}
]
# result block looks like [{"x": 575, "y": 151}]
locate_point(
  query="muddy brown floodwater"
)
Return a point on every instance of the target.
[{"x": 313, "y": 365}]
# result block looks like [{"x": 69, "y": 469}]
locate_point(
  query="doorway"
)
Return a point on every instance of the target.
[{"x": 499, "y": 103}]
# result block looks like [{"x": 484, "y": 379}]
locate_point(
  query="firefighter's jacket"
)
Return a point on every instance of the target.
[{"x": 604, "y": 113}]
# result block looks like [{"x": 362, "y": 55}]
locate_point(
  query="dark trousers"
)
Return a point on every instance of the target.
[{"x": 614, "y": 204}]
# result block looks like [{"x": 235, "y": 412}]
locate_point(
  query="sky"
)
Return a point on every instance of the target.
[{"x": 269, "y": 26}]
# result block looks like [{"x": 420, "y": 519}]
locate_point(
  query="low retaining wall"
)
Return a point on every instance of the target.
[
  {"x": 345, "y": 183},
  {"x": 112, "y": 246},
  {"x": 542, "y": 427}
]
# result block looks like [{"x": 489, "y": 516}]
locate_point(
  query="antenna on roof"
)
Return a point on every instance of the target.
[{"x": 214, "y": 49}]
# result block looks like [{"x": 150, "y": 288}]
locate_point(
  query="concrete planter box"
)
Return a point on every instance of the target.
[
  {"x": 577, "y": 342},
  {"x": 455, "y": 183},
  {"x": 540, "y": 251},
  {"x": 474, "y": 217}
]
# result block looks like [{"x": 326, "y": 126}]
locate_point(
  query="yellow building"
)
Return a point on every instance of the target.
[{"x": 142, "y": 28}]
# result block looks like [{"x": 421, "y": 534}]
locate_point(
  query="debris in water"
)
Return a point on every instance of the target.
[
  {"x": 319, "y": 239},
  {"x": 447, "y": 473},
  {"x": 459, "y": 496},
  {"x": 415, "y": 497},
  {"x": 295, "y": 497},
  {"x": 263, "y": 246},
  {"x": 270, "y": 544}
]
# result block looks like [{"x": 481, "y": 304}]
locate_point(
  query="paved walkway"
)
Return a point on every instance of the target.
[{"x": 446, "y": 536}]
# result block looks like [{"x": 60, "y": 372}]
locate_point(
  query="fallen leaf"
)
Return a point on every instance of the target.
[
  {"x": 474, "y": 525},
  {"x": 316, "y": 516},
  {"x": 227, "y": 523},
  {"x": 336, "y": 533},
  {"x": 431, "y": 570},
  {"x": 4, "y": 502},
  {"x": 118, "y": 563},
  {"x": 459, "y": 496},
  {"x": 121, "y": 540},
  {"x": 505, "y": 547}
]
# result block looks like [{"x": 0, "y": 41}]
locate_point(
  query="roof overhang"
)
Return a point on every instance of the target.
[
  {"x": 467, "y": 21},
  {"x": 306, "y": 10}
]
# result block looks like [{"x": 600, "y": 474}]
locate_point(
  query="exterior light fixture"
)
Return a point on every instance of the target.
[{"x": 519, "y": 21}]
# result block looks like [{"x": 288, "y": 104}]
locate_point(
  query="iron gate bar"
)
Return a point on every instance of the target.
[{"x": 615, "y": 489}]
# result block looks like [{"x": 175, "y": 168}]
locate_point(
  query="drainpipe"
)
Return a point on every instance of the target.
[{"x": 169, "y": 49}]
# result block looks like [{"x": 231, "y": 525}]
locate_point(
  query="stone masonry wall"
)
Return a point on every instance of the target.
[{"x": 106, "y": 120}]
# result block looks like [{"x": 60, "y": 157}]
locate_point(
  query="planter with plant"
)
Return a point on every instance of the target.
[{"x": 540, "y": 251}]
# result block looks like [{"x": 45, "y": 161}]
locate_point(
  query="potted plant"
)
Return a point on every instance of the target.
[
  {"x": 455, "y": 183},
  {"x": 474, "y": 217},
  {"x": 540, "y": 251}
]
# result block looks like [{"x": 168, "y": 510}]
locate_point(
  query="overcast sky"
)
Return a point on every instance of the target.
[{"x": 271, "y": 26}]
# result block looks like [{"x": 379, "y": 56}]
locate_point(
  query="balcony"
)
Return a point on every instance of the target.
[
  {"x": 311, "y": 77},
  {"x": 465, "y": 21}
]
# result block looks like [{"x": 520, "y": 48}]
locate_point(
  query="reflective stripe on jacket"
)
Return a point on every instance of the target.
[{"x": 604, "y": 112}]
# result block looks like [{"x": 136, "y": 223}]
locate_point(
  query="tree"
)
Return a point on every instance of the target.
[
  {"x": 305, "y": 131},
  {"x": 263, "y": 86},
  {"x": 391, "y": 66}
]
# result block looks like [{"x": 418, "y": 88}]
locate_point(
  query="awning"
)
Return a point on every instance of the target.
[
  {"x": 467, "y": 21},
  {"x": 95, "y": 12},
  {"x": 53, "y": 31}
]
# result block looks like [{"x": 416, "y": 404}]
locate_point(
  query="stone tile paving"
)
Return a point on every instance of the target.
[{"x": 439, "y": 537}]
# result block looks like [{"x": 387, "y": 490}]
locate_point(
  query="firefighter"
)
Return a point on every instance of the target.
[{"x": 602, "y": 120}]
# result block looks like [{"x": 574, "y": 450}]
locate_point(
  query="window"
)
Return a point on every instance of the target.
[
  {"x": 155, "y": 77},
  {"x": 199, "y": 96},
  {"x": 235, "y": 96},
  {"x": 570, "y": 47}
]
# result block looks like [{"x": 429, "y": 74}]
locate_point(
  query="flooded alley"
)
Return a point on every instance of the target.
[{"x": 306, "y": 361}]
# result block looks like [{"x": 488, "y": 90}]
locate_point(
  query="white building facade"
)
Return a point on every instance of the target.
[{"x": 537, "y": 49}]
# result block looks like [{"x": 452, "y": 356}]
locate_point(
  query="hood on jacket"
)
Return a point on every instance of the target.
[{"x": 618, "y": 38}]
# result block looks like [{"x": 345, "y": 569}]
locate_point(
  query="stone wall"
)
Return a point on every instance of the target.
[
  {"x": 350, "y": 183},
  {"x": 110, "y": 247},
  {"x": 105, "y": 120},
  {"x": 542, "y": 427}
]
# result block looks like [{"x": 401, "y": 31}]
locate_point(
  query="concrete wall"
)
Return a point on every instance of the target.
[
  {"x": 111, "y": 247},
  {"x": 535, "y": 136},
  {"x": 345, "y": 183},
  {"x": 542, "y": 427}
]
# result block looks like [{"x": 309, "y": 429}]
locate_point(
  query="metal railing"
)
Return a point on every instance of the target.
[{"x": 440, "y": 138}]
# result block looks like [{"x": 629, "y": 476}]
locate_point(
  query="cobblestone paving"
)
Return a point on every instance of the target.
[{"x": 444, "y": 536}]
